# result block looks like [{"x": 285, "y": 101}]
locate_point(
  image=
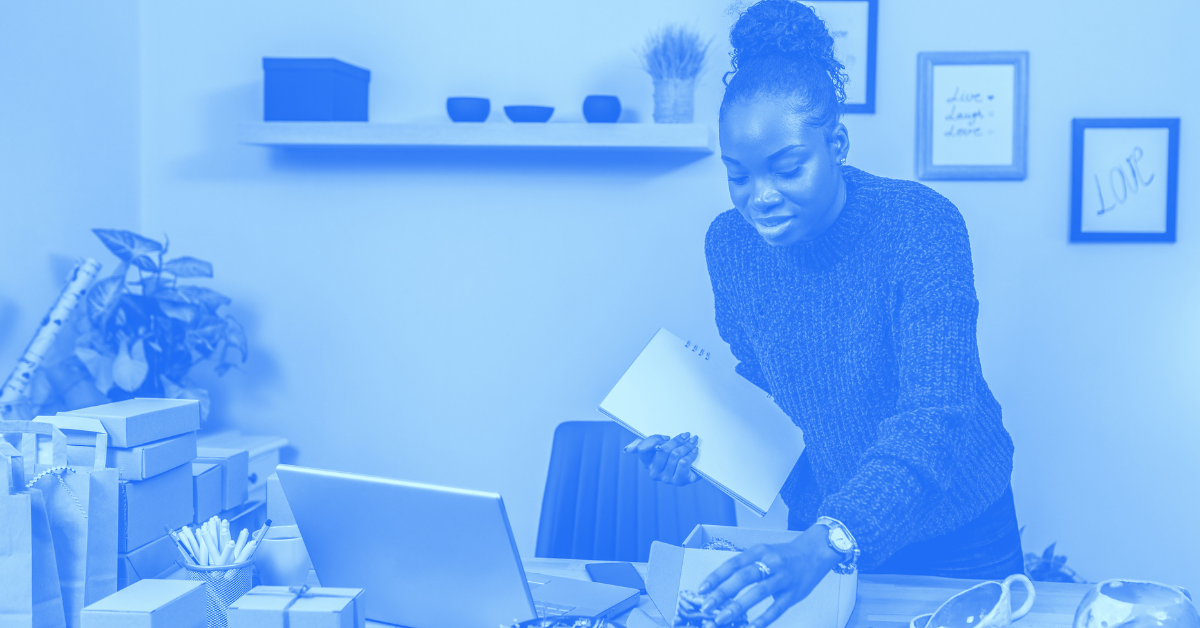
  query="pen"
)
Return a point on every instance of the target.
[{"x": 187, "y": 555}]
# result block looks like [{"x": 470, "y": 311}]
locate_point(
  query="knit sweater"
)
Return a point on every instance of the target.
[{"x": 865, "y": 337}]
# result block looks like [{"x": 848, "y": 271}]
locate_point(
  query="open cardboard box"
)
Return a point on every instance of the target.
[{"x": 674, "y": 568}]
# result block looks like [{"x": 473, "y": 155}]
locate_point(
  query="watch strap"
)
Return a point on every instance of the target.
[{"x": 850, "y": 564}]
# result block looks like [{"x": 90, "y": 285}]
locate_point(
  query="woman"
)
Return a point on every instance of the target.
[{"x": 850, "y": 298}]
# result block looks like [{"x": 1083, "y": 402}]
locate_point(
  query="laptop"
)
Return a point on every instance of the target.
[{"x": 430, "y": 556}]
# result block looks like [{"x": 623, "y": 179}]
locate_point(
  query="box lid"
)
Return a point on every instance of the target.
[
  {"x": 200, "y": 468},
  {"x": 335, "y": 65},
  {"x": 145, "y": 596}
]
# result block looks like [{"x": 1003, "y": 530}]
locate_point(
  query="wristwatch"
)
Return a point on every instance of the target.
[{"x": 843, "y": 543}]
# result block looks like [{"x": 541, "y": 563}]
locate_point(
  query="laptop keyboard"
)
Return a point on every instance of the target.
[{"x": 550, "y": 610}]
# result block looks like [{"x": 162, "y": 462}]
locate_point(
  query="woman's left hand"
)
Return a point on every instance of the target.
[{"x": 795, "y": 569}]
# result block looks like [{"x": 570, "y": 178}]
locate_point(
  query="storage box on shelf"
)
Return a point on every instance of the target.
[
  {"x": 150, "y": 603},
  {"x": 314, "y": 90}
]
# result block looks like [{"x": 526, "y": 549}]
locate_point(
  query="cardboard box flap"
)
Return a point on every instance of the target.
[
  {"x": 744, "y": 538},
  {"x": 673, "y": 568}
]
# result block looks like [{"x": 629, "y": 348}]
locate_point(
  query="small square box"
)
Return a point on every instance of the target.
[{"x": 314, "y": 90}]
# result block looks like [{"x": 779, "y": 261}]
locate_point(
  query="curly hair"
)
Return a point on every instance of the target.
[{"x": 782, "y": 49}]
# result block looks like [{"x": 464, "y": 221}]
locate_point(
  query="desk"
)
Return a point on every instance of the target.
[{"x": 883, "y": 601}]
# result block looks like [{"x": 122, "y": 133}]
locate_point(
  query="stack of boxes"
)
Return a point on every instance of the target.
[
  {"x": 231, "y": 471},
  {"x": 153, "y": 443}
]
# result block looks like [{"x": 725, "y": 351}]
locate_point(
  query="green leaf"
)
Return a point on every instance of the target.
[
  {"x": 1048, "y": 555},
  {"x": 102, "y": 297},
  {"x": 177, "y": 306},
  {"x": 204, "y": 337},
  {"x": 127, "y": 245},
  {"x": 99, "y": 365},
  {"x": 235, "y": 335},
  {"x": 210, "y": 299},
  {"x": 129, "y": 369},
  {"x": 188, "y": 267}
]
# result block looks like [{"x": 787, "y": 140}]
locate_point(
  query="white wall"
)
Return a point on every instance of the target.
[
  {"x": 421, "y": 317},
  {"x": 68, "y": 149}
]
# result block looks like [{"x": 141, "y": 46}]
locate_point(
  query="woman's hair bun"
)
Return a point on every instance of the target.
[
  {"x": 782, "y": 47},
  {"x": 781, "y": 27}
]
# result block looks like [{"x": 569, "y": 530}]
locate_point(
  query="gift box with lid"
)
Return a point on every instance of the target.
[{"x": 315, "y": 607}]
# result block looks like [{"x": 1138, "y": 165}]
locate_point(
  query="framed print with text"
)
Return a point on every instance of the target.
[
  {"x": 852, "y": 23},
  {"x": 972, "y": 115},
  {"x": 1124, "y": 178}
]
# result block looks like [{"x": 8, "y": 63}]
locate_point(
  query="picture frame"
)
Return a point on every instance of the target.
[
  {"x": 972, "y": 115},
  {"x": 853, "y": 25},
  {"x": 1124, "y": 179}
]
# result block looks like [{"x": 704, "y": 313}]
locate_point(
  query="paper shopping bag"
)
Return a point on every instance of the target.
[
  {"x": 30, "y": 597},
  {"x": 81, "y": 502}
]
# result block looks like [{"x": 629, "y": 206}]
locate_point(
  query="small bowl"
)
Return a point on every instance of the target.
[
  {"x": 464, "y": 109},
  {"x": 528, "y": 113},
  {"x": 601, "y": 108}
]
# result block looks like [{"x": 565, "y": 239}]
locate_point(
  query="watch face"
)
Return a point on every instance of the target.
[{"x": 839, "y": 540}]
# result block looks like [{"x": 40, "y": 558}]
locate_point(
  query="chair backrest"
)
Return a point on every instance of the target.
[{"x": 600, "y": 503}]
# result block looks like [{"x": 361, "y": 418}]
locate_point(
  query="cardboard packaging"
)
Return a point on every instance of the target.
[
  {"x": 316, "y": 607},
  {"x": 152, "y": 560},
  {"x": 234, "y": 465},
  {"x": 150, "y": 604},
  {"x": 206, "y": 491},
  {"x": 263, "y": 449},
  {"x": 151, "y": 459},
  {"x": 278, "y": 510},
  {"x": 249, "y": 516},
  {"x": 311, "y": 89},
  {"x": 148, "y": 505},
  {"x": 674, "y": 568},
  {"x": 139, "y": 421}
]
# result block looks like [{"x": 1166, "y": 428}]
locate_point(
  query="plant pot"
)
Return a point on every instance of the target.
[{"x": 673, "y": 100}]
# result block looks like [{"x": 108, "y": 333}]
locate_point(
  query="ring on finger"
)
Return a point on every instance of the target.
[{"x": 763, "y": 569}]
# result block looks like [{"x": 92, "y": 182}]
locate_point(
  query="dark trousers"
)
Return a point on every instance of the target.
[{"x": 987, "y": 548}]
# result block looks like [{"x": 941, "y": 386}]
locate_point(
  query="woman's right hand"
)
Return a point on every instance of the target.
[{"x": 668, "y": 459}]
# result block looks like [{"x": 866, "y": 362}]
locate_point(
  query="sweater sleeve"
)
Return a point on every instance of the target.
[
  {"x": 729, "y": 325},
  {"x": 910, "y": 466}
]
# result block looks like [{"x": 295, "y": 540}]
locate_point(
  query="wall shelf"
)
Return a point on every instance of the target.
[{"x": 677, "y": 138}]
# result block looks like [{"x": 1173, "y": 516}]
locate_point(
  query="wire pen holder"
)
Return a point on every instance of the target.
[{"x": 224, "y": 584}]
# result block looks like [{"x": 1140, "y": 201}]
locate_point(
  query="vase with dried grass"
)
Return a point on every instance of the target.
[{"x": 673, "y": 57}]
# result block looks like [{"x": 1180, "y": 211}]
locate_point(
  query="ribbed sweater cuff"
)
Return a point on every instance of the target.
[{"x": 878, "y": 506}]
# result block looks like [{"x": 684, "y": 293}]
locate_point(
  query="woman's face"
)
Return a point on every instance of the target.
[{"x": 785, "y": 177}]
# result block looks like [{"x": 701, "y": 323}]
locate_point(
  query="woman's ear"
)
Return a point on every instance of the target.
[{"x": 839, "y": 143}]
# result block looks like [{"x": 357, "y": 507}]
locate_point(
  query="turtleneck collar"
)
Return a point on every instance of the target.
[{"x": 827, "y": 248}]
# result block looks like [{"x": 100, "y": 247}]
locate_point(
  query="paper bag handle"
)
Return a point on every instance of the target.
[
  {"x": 82, "y": 424},
  {"x": 11, "y": 469},
  {"x": 34, "y": 450}
]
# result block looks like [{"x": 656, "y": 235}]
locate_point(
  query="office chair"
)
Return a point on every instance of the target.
[{"x": 600, "y": 503}]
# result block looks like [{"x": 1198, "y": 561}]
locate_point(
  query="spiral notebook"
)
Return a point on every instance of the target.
[{"x": 748, "y": 445}]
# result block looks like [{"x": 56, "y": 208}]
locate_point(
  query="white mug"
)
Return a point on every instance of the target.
[
  {"x": 985, "y": 605},
  {"x": 281, "y": 558}
]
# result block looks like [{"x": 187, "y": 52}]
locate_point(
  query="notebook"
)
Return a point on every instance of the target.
[{"x": 748, "y": 445}]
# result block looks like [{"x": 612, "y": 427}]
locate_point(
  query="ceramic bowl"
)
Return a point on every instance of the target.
[
  {"x": 601, "y": 108},
  {"x": 528, "y": 113},
  {"x": 465, "y": 109}
]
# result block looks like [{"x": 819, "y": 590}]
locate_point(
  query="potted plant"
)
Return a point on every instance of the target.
[
  {"x": 143, "y": 330},
  {"x": 673, "y": 57}
]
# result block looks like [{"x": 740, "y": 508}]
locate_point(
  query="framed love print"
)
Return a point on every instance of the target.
[
  {"x": 972, "y": 115},
  {"x": 852, "y": 24},
  {"x": 1124, "y": 178}
]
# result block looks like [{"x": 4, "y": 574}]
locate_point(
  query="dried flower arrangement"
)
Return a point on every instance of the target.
[{"x": 674, "y": 57}]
